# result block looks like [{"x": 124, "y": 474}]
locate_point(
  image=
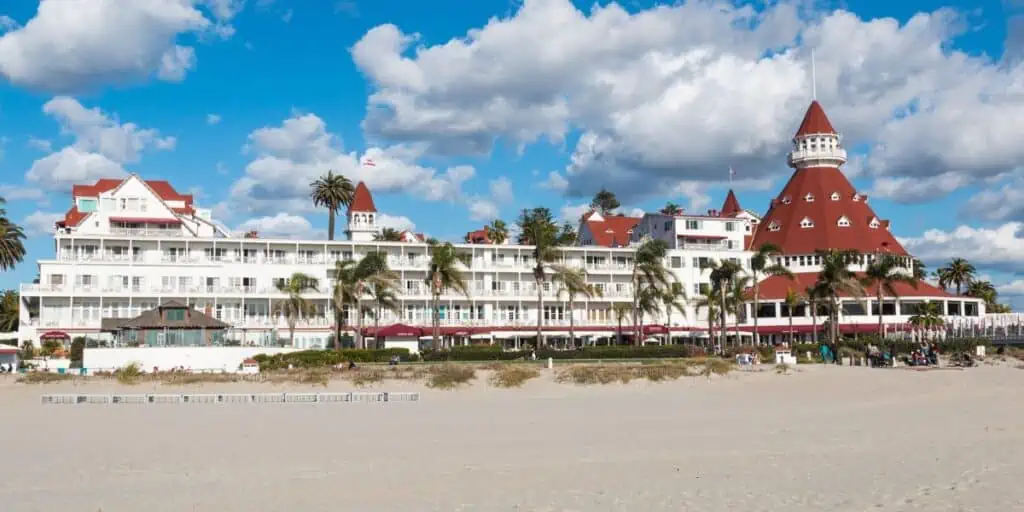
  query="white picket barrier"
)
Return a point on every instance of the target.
[{"x": 230, "y": 398}]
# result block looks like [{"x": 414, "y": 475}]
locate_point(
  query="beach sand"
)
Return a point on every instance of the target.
[{"x": 824, "y": 438}]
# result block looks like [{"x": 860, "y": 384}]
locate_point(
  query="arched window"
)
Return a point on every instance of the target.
[
  {"x": 807, "y": 223},
  {"x": 809, "y": 197},
  {"x": 835, "y": 196},
  {"x": 786, "y": 200},
  {"x": 843, "y": 222}
]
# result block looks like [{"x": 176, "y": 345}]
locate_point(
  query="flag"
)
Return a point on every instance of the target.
[
  {"x": 732, "y": 173},
  {"x": 369, "y": 163}
]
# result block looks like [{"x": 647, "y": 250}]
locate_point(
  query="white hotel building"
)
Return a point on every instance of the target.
[{"x": 128, "y": 245}]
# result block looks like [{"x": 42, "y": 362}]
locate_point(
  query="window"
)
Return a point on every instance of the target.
[
  {"x": 677, "y": 262},
  {"x": 807, "y": 223},
  {"x": 835, "y": 196},
  {"x": 809, "y": 197},
  {"x": 786, "y": 200},
  {"x": 874, "y": 223},
  {"x": 668, "y": 225},
  {"x": 730, "y": 226},
  {"x": 86, "y": 205},
  {"x": 693, "y": 224},
  {"x": 844, "y": 222},
  {"x": 175, "y": 315},
  {"x": 773, "y": 226},
  {"x": 856, "y": 196}
]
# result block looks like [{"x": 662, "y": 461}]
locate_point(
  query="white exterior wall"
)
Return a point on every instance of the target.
[{"x": 210, "y": 359}]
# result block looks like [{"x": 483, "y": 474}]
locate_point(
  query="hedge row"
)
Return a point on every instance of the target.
[
  {"x": 322, "y": 358},
  {"x": 947, "y": 346},
  {"x": 495, "y": 353}
]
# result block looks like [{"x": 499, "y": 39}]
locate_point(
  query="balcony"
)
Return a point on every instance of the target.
[
  {"x": 43, "y": 288},
  {"x": 147, "y": 232}
]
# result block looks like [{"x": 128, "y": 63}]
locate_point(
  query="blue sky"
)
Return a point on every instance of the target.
[{"x": 653, "y": 105}]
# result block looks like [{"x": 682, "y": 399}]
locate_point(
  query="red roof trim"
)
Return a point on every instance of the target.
[{"x": 775, "y": 288}]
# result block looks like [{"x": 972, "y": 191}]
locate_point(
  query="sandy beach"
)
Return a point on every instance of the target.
[{"x": 823, "y": 438}]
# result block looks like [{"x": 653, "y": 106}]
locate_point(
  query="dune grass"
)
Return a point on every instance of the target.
[
  {"x": 450, "y": 376},
  {"x": 44, "y": 378},
  {"x": 512, "y": 375}
]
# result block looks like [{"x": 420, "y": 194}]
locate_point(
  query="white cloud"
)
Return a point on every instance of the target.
[
  {"x": 398, "y": 222},
  {"x": 102, "y": 144},
  {"x": 76, "y": 45},
  {"x": 290, "y": 156},
  {"x": 1013, "y": 288},
  {"x": 7, "y": 23},
  {"x": 678, "y": 92},
  {"x": 19, "y": 193},
  {"x": 40, "y": 144},
  {"x": 906, "y": 189},
  {"x": 282, "y": 225},
  {"x": 501, "y": 190},
  {"x": 1000, "y": 248},
  {"x": 40, "y": 223},
  {"x": 482, "y": 209},
  {"x": 212, "y": 119},
  {"x": 573, "y": 212},
  {"x": 1002, "y": 202},
  {"x": 555, "y": 182}
]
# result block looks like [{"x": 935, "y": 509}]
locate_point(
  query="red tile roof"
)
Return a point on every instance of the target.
[
  {"x": 775, "y": 288},
  {"x": 72, "y": 218},
  {"x": 824, "y": 212},
  {"x": 163, "y": 189},
  {"x": 362, "y": 201},
  {"x": 731, "y": 207},
  {"x": 815, "y": 121},
  {"x": 613, "y": 231},
  {"x": 478, "y": 237}
]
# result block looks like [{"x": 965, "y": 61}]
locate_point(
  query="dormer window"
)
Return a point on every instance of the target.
[
  {"x": 835, "y": 196},
  {"x": 807, "y": 223},
  {"x": 786, "y": 200},
  {"x": 856, "y": 196},
  {"x": 874, "y": 223},
  {"x": 773, "y": 226},
  {"x": 809, "y": 197},
  {"x": 843, "y": 222}
]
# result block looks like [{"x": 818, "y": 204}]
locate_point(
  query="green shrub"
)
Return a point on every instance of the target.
[
  {"x": 128, "y": 374},
  {"x": 327, "y": 358},
  {"x": 77, "y": 349},
  {"x": 496, "y": 353},
  {"x": 44, "y": 377}
]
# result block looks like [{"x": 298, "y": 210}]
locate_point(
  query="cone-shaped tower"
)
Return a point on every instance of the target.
[
  {"x": 819, "y": 208},
  {"x": 362, "y": 215}
]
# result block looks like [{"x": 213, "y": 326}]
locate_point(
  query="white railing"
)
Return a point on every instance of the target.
[{"x": 144, "y": 232}]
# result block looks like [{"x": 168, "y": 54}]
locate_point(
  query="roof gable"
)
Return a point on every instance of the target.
[
  {"x": 612, "y": 231},
  {"x": 731, "y": 207},
  {"x": 362, "y": 200}
]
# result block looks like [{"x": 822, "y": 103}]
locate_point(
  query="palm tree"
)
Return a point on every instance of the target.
[
  {"x": 537, "y": 228},
  {"x": 884, "y": 273},
  {"x": 792, "y": 301},
  {"x": 497, "y": 232},
  {"x": 813, "y": 295},
  {"x": 648, "y": 303},
  {"x": 737, "y": 300},
  {"x": 959, "y": 272},
  {"x": 673, "y": 298},
  {"x": 708, "y": 300},
  {"x": 574, "y": 284},
  {"x": 920, "y": 270},
  {"x": 836, "y": 279},
  {"x": 444, "y": 274},
  {"x": 332, "y": 191},
  {"x": 9, "y": 311},
  {"x": 12, "y": 241},
  {"x": 985, "y": 291},
  {"x": 671, "y": 208},
  {"x": 649, "y": 279},
  {"x": 388, "y": 235},
  {"x": 928, "y": 316},
  {"x": 343, "y": 294},
  {"x": 382, "y": 293},
  {"x": 622, "y": 311},
  {"x": 722, "y": 273},
  {"x": 295, "y": 305},
  {"x": 762, "y": 263}
]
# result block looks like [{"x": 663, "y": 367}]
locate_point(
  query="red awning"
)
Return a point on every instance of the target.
[
  {"x": 55, "y": 335},
  {"x": 400, "y": 330},
  {"x": 145, "y": 220},
  {"x": 655, "y": 329},
  {"x": 7, "y": 349}
]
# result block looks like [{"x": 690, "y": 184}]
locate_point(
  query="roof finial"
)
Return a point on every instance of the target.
[{"x": 814, "y": 78}]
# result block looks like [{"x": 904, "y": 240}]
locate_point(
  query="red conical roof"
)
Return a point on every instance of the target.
[
  {"x": 792, "y": 206},
  {"x": 815, "y": 121},
  {"x": 731, "y": 206},
  {"x": 362, "y": 201}
]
